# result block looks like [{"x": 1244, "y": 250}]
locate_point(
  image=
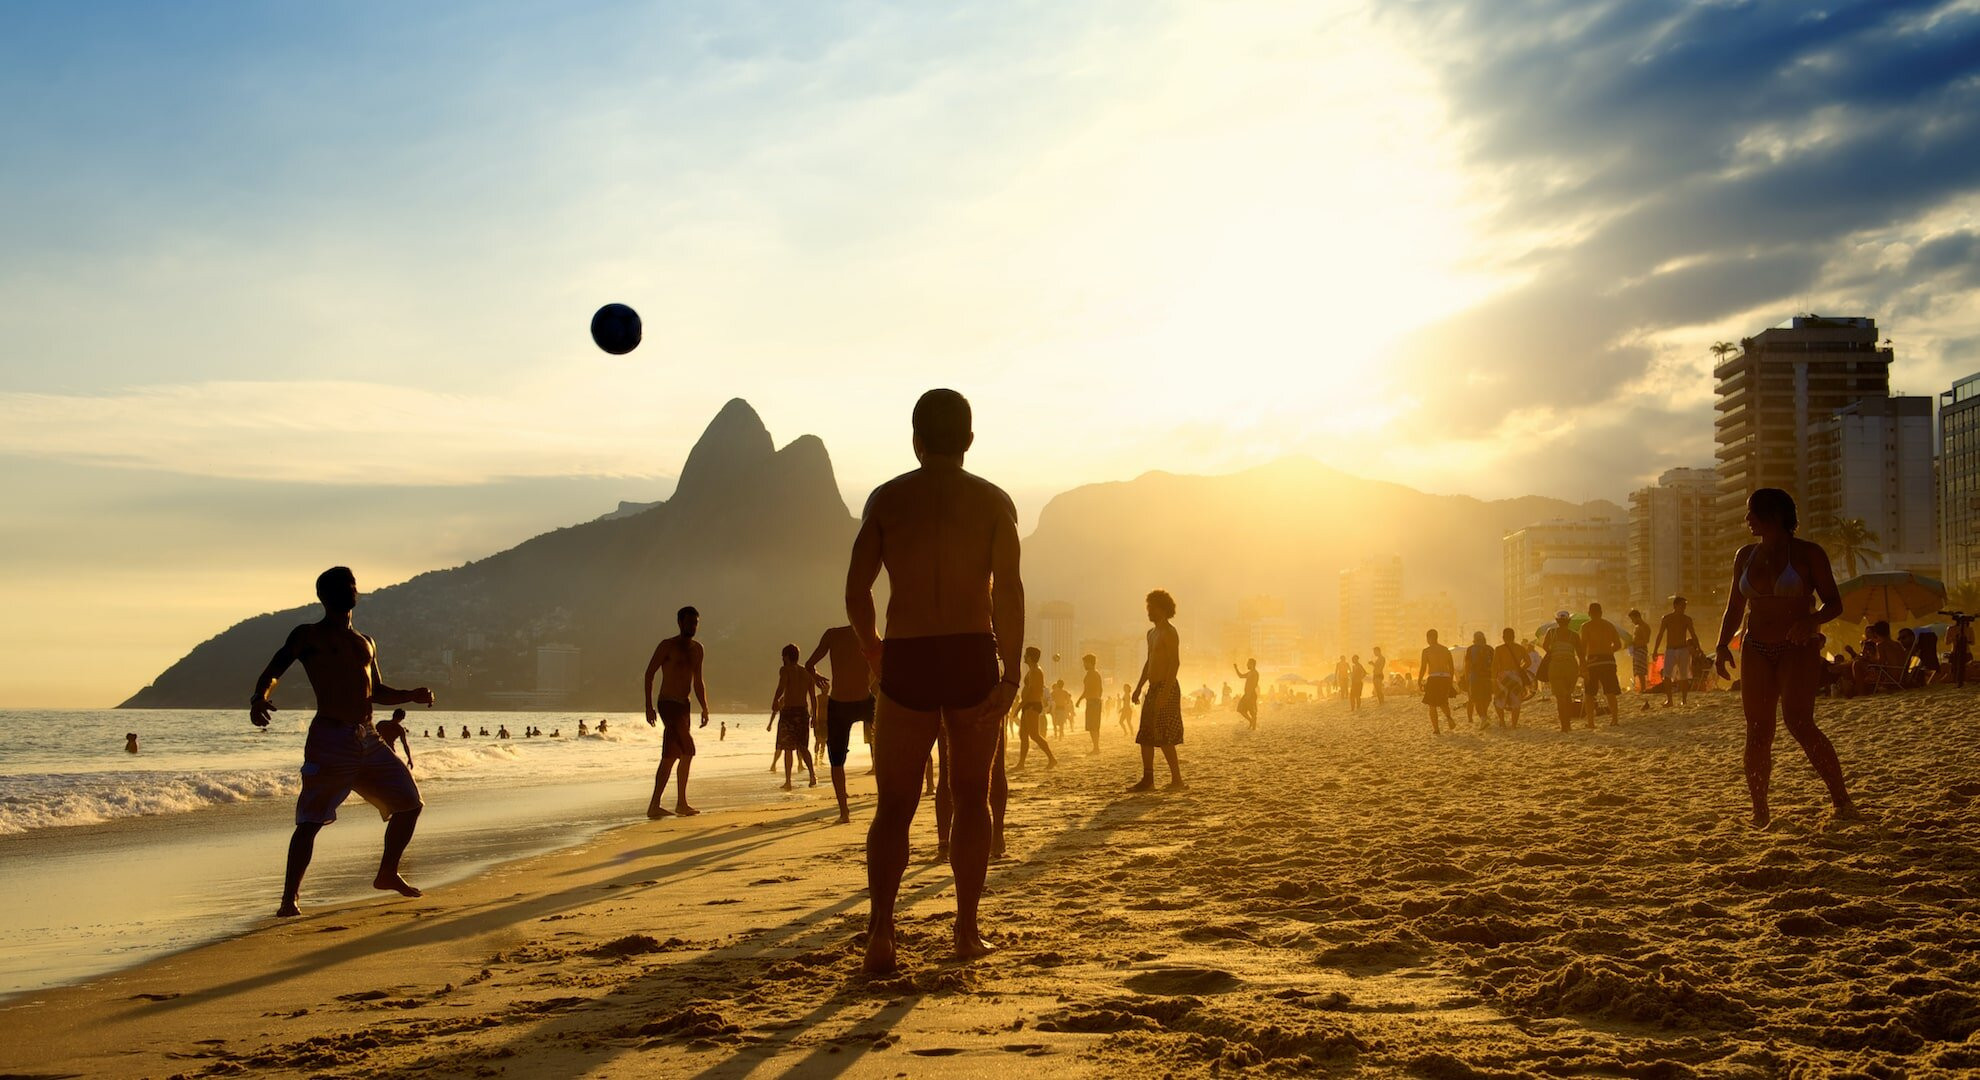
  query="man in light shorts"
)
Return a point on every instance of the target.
[
  {"x": 343, "y": 753},
  {"x": 1683, "y": 636}
]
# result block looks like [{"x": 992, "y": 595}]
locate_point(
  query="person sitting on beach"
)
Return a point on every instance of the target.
[
  {"x": 848, "y": 701},
  {"x": 1563, "y": 648},
  {"x": 1161, "y": 717},
  {"x": 1639, "y": 653},
  {"x": 1434, "y": 679},
  {"x": 1783, "y": 589},
  {"x": 1247, "y": 705},
  {"x": 790, "y": 713},
  {"x": 342, "y": 753},
  {"x": 1091, "y": 688},
  {"x": 1510, "y": 676},
  {"x": 677, "y": 660},
  {"x": 1478, "y": 679},
  {"x": 1600, "y": 641},
  {"x": 1879, "y": 654},
  {"x": 1677, "y": 629},
  {"x": 1031, "y": 710},
  {"x": 955, "y": 625}
]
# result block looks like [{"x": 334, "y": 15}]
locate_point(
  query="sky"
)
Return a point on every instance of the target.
[{"x": 290, "y": 285}]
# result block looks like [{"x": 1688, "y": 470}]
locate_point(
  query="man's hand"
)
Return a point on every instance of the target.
[
  {"x": 1001, "y": 696},
  {"x": 258, "y": 710},
  {"x": 651, "y": 716},
  {"x": 704, "y": 718},
  {"x": 423, "y": 696},
  {"x": 1136, "y": 699}
]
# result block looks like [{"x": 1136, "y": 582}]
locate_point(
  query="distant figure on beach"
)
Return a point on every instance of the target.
[
  {"x": 465, "y": 733},
  {"x": 1356, "y": 674},
  {"x": 1784, "y": 589},
  {"x": 1161, "y": 717},
  {"x": 1563, "y": 648},
  {"x": 502, "y": 732},
  {"x": 1091, "y": 690},
  {"x": 1062, "y": 706},
  {"x": 130, "y": 742},
  {"x": 1126, "y": 714},
  {"x": 1378, "y": 672},
  {"x": 1639, "y": 653},
  {"x": 1434, "y": 677},
  {"x": 342, "y": 753},
  {"x": 1247, "y": 705},
  {"x": 1600, "y": 642},
  {"x": 1679, "y": 638},
  {"x": 955, "y": 624},
  {"x": 1478, "y": 679},
  {"x": 583, "y": 729},
  {"x": 848, "y": 702},
  {"x": 1031, "y": 710},
  {"x": 1510, "y": 673},
  {"x": 678, "y": 661},
  {"x": 1341, "y": 679},
  {"x": 790, "y": 712},
  {"x": 721, "y": 734},
  {"x": 697, "y": 681}
]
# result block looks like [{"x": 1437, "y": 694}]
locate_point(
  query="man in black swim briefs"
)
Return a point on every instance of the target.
[
  {"x": 678, "y": 660},
  {"x": 948, "y": 665}
]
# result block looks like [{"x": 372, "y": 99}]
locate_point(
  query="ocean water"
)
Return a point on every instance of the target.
[{"x": 113, "y": 858}]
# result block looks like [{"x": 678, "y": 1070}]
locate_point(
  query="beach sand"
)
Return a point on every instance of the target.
[{"x": 1335, "y": 894}]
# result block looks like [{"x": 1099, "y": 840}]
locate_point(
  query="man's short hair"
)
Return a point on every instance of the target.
[
  {"x": 1635, "y": 614},
  {"x": 1676, "y": 600},
  {"x": 685, "y": 614},
  {"x": 1594, "y": 607},
  {"x": 1161, "y": 601},
  {"x": 790, "y": 654},
  {"x": 1031, "y": 653},
  {"x": 335, "y": 574},
  {"x": 942, "y": 422}
]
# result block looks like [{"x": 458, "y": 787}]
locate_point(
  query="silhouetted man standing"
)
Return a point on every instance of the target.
[
  {"x": 678, "y": 661},
  {"x": 955, "y": 624},
  {"x": 850, "y": 701},
  {"x": 343, "y": 752}
]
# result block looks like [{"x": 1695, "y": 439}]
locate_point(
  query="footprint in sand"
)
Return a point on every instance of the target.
[{"x": 1184, "y": 980}]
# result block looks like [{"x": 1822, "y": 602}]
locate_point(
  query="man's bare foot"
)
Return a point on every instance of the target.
[
  {"x": 814, "y": 781},
  {"x": 787, "y": 785},
  {"x": 287, "y": 910},
  {"x": 971, "y": 946},
  {"x": 1761, "y": 816},
  {"x": 685, "y": 810},
  {"x": 1144, "y": 784},
  {"x": 655, "y": 813},
  {"x": 394, "y": 883},
  {"x": 880, "y": 958},
  {"x": 1847, "y": 811},
  {"x": 1176, "y": 785},
  {"x": 844, "y": 818}
]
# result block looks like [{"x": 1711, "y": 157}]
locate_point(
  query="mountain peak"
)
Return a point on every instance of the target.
[{"x": 735, "y": 441}]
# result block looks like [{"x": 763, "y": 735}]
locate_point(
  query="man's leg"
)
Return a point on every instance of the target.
[
  {"x": 973, "y": 744},
  {"x": 1614, "y": 702},
  {"x": 1000, "y": 794},
  {"x": 1175, "y": 767},
  {"x": 945, "y": 807},
  {"x": 1147, "y": 782},
  {"x": 810, "y": 766},
  {"x": 901, "y": 740},
  {"x": 302, "y": 844},
  {"x": 398, "y": 833},
  {"x": 653, "y": 807},
  {"x": 681, "y": 806}
]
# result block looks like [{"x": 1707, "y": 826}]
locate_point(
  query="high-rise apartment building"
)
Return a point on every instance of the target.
[
  {"x": 1553, "y": 565},
  {"x": 1783, "y": 381},
  {"x": 1371, "y": 607},
  {"x": 1959, "y": 481},
  {"x": 1872, "y": 460},
  {"x": 1055, "y": 636},
  {"x": 1674, "y": 541}
]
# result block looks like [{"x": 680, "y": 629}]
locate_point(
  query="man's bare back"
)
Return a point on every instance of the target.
[
  {"x": 937, "y": 529},
  {"x": 1599, "y": 635},
  {"x": 852, "y": 676}
]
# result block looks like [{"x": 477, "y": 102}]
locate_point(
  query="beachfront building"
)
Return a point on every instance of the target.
[
  {"x": 1558, "y": 564},
  {"x": 1673, "y": 541},
  {"x": 557, "y": 669},
  {"x": 1056, "y": 637},
  {"x": 1872, "y": 459},
  {"x": 1782, "y": 382},
  {"x": 1959, "y": 481},
  {"x": 1435, "y": 611},
  {"x": 1371, "y": 607}
]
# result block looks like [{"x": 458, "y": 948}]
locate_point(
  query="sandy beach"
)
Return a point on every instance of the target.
[{"x": 1333, "y": 895}]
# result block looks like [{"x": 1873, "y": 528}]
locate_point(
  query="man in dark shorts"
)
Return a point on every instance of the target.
[
  {"x": 343, "y": 753},
  {"x": 850, "y": 701},
  {"x": 955, "y": 623},
  {"x": 1091, "y": 690},
  {"x": 1600, "y": 642},
  {"x": 678, "y": 660}
]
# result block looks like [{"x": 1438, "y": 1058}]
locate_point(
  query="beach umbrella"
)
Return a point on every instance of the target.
[
  {"x": 1896, "y": 595},
  {"x": 1300, "y": 679}
]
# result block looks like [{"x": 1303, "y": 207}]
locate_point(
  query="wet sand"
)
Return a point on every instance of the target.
[{"x": 1334, "y": 894}]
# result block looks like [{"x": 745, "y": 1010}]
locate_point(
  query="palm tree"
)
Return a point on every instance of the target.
[
  {"x": 1720, "y": 349},
  {"x": 1852, "y": 539}
]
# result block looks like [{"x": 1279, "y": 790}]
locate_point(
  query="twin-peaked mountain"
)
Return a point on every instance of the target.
[{"x": 757, "y": 539}]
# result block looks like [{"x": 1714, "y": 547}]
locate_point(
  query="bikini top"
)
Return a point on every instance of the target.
[{"x": 1788, "y": 584}]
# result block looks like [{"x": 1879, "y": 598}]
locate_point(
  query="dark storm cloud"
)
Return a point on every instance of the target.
[{"x": 1707, "y": 158}]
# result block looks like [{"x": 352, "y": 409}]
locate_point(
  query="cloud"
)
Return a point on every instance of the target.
[{"x": 1669, "y": 174}]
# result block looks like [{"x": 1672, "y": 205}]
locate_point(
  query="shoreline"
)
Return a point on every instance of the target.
[{"x": 1334, "y": 893}]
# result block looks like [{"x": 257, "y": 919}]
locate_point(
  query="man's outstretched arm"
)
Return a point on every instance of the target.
[
  {"x": 382, "y": 694},
  {"x": 259, "y": 705}
]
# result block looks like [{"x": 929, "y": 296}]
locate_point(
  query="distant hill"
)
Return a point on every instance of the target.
[
  {"x": 753, "y": 536},
  {"x": 1286, "y": 529}
]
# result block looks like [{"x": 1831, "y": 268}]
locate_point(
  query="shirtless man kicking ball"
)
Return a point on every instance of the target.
[
  {"x": 343, "y": 752},
  {"x": 678, "y": 660},
  {"x": 955, "y": 624}
]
